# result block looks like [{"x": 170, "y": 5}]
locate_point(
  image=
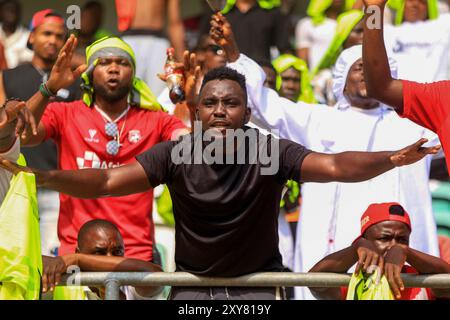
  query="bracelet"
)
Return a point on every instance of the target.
[
  {"x": 46, "y": 91},
  {"x": 10, "y": 99}
]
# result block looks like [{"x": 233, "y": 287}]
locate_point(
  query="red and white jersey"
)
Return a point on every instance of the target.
[{"x": 79, "y": 133}]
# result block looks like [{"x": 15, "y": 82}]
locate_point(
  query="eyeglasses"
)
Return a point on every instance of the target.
[
  {"x": 217, "y": 50},
  {"x": 112, "y": 130}
]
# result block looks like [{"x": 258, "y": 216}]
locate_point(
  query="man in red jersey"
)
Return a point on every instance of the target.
[
  {"x": 426, "y": 104},
  {"x": 117, "y": 119}
]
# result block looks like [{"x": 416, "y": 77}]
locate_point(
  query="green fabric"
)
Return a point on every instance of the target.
[
  {"x": 317, "y": 9},
  {"x": 293, "y": 193},
  {"x": 345, "y": 24},
  {"x": 165, "y": 207},
  {"x": 441, "y": 207},
  {"x": 140, "y": 96},
  {"x": 399, "y": 7},
  {"x": 363, "y": 287},
  {"x": 286, "y": 61},
  {"x": 69, "y": 293},
  {"x": 20, "y": 241},
  {"x": 265, "y": 4}
]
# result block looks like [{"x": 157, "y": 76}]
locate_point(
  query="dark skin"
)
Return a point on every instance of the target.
[
  {"x": 47, "y": 41},
  {"x": 290, "y": 84},
  {"x": 355, "y": 88},
  {"x": 380, "y": 84},
  {"x": 223, "y": 106},
  {"x": 271, "y": 75},
  {"x": 355, "y": 37},
  {"x": 415, "y": 10},
  {"x": 10, "y": 15},
  {"x": 101, "y": 249},
  {"x": 385, "y": 245},
  {"x": 15, "y": 118}
]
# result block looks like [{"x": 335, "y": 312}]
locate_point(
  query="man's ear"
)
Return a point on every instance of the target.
[
  {"x": 31, "y": 38},
  {"x": 248, "y": 114}
]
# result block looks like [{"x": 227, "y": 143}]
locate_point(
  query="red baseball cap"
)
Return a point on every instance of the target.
[
  {"x": 40, "y": 17},
  {"x": 378, "y": 212}
]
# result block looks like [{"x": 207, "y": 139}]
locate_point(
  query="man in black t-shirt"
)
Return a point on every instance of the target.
[{"x": 226, "y": 197}]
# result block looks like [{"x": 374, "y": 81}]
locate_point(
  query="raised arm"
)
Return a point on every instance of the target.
[
  {"x": 61, "y": 76},
  {"x": 175, "y": 27},
  {"x": 360, "y": 166},
  {"x": 380, "y": 84},
  {"x": 89, "y": 183}
]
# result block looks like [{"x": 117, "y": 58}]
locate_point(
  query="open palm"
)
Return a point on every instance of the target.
[{"x": 62, "y": 75}]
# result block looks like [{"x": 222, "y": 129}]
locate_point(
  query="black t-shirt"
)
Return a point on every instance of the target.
[
  {"x": 257, "y": 30},
  {"x": 225, "y": 214},
  {"x": 23, "y": 82}
]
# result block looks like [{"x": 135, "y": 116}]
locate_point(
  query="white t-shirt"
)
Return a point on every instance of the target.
[
  {"x": 421, "y": 49},
  {"x": 315, "y": 37},
  {"x": 5, "y": 176},
  {"x": 16, "y": 51}
]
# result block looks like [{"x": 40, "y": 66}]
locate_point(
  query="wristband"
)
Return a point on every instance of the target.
[
  {"x": 10, "y": 99},
  {"x": 46, "y": 91}
]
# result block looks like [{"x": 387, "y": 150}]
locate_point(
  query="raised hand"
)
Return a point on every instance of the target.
[
  {"x": 62, "y": 75},
  {"x": 222, "y": 34},
  {"x": 192, "y": 79},
  {"x": 413, "y": 153},
  {"x": 17, "y": 110},
  {"x": 375, "y": 2},
  {"x": 395, "y": 259}
]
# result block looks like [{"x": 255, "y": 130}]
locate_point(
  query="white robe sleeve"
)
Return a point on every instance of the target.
[{"x": 291, "y": 120}]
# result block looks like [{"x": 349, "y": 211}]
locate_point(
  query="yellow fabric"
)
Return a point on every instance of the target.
[
  {"x": 345, "y": 24},
  {"x": 165, "y": 207},
  {"x": 286, "y": 61},
  {"x": 265, "y": 4},
  {"x": 69, "y": 293},
  {"x": 140, "y": 95},
  {"x": 364, "y": 288},
  {"x": 317, "y": 9},
  {"x": 399, "y": 7},
  {"x": 20, "y": 242}
]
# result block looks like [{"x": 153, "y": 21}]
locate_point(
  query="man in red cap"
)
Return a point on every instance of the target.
[
  {"x": 383, "y": 243},
  {"x": 47, "y": 37}
]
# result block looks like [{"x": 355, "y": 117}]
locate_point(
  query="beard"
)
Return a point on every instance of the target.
[{"x": 111, "y": 96}]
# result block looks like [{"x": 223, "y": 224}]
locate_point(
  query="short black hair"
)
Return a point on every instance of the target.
[
  {"x": 225, "y": 73},
  {"x": 92, "y": 5},
  {"x": 93, "y": 225}
]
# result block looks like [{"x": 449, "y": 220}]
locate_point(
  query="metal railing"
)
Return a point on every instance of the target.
[{"x": 113, "y": 280}]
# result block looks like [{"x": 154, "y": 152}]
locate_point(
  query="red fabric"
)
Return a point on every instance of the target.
[
  {"x": 408, "y": 293},
  {"x": 444, "y": 248},
  {"x": 126, "y": 10},
  {"x": 41, "y": 16},
  {"x": 79, "y": 133},
  {"x": 429, "y": 106},
  {"x": 378, "y": 212}
]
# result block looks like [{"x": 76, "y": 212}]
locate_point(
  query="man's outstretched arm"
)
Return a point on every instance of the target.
[
  {"x": 360, "y": 166},
  {"x": 89, "y": 183},
  {"x": 377, "y": 74}
]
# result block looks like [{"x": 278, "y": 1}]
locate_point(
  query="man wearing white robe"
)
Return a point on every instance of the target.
[{"x": 330, "y": 211}]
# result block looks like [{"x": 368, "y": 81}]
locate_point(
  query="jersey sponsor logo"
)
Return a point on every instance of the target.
[
  {"x": 92, "y": 133},
  {"x": 134, "y": 136},
  {"x": 92, "y": 161}
]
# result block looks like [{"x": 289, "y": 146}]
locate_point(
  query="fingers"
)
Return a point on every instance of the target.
[
  {"x": 389, "y": 272},
  {"x": 162, "y": 77},
  {"x": 3, "y": 118},
  {"x": 430, "y": 150},
  {"x": 21, "y": 125},
  {"x": 78, "y": 71},
  {"x": 192, "y": 63},
  {"x": 361, "y": 259},
  {"x": 186, "y": 61},
  {"x": 44, "y": 280}
]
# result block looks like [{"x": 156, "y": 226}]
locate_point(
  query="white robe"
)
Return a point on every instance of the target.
[
  {"x": 421, "y": 49},
  {"x": 330, "y": 214}
]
